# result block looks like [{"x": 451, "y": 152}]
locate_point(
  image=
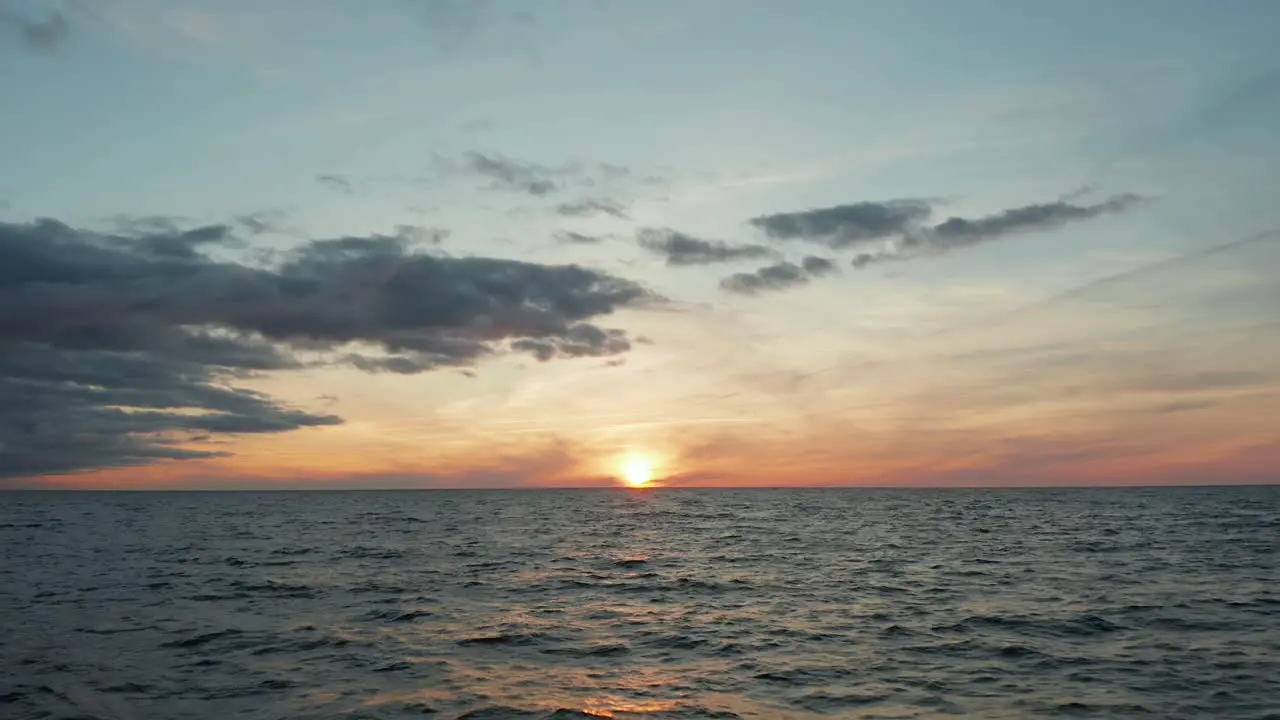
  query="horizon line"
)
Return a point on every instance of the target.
[{"x": 621, "y": 488}]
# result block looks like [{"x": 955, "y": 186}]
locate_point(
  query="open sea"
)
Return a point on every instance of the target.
[{"x": 815, "y": 603}]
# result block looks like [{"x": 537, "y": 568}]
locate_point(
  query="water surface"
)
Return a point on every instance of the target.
[{"x": 1160, "y": 603}]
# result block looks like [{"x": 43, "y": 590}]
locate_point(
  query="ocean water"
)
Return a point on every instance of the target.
[{"x": 1161, "y": 603}]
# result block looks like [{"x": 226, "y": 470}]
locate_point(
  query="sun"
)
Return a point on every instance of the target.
[{"x": 637, "y": 472}]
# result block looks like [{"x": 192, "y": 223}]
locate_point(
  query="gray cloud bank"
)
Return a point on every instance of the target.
[
  {"x": 122, "y": 349},
  {"x": 337, "y": 182}
]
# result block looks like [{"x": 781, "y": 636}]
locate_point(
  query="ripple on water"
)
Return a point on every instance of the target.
[{"x": 670, "y": 604}]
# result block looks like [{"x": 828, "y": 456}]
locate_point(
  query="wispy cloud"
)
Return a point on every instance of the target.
[
  {"x": 261, "y": 221},
  {"x": 150, "y": 21},
  {"x": 44, "y": 34},
  {"x": 516, "y": 175},
  {"x": 456, "y": 25},
  {"x": 336, "y": 182},
  {"x": 1119, "y": 280},
  {"x": 592, "y": 206},
  {"x": 539, "y": 179},
  {"x": 575, "y": 238}
]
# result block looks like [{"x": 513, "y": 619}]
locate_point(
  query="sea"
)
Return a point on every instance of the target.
[{"x": 660, "y": 603}]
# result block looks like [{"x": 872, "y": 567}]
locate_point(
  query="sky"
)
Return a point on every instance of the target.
[{"x": 470, "y": 243}]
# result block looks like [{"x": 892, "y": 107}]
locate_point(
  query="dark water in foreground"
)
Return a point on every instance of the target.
[{"x": 665, "y": 604}]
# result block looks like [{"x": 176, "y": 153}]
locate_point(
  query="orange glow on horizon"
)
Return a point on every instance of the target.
[{"x": 637, "y": 471}]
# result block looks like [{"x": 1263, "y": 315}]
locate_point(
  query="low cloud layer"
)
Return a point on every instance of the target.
[
  {"x": 779, "y": 276},
  {"x": 124, "y": 349},
  {"x": 681, "y": 249}
]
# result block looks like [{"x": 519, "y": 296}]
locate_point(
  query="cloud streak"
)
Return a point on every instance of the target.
[
  {"x": 526, "y": 177},
  {"x": 902, "y": 225},
  {"x": 681, "y": 249},
  {"x": 515, "y": 175},
  {"x": 842, "y": 226},
  {"x": 958, "y": 232},
  {"x": 955, "y": 233},
  {"x": 569, "y": 237},
  {"x": 779, "y": 276},
  {"x": 591, "y": 207},
  {"x": 336, "y": 182}
]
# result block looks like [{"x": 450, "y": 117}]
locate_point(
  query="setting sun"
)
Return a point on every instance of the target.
[{"x": 637, "y": 472}]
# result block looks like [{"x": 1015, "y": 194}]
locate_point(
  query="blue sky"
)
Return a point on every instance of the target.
[{"x": 348, "y": 119}]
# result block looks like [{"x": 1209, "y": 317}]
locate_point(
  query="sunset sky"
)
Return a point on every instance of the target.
[{"x": 414, "y": 243}]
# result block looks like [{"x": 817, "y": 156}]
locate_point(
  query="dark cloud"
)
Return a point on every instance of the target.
[
  {"x": 44, "y": 35},
  {"x": 959, "y": 232},
  {"x": 682, "y": 249},
  {"x": 779, "y": 276},
  {"x": 336, "y": 182},
  {"x": 123, "y": 349},
  {"x": 185, "y": 243},
  {"x": 509, "y": 174},
  {"x": 65, "y": 409},
  {"x": 817, "y": 266},
  {"x": 573, "y": 238},
  {"x": 592, "y": 206},
  {"x": 902, "y": 222},
  {"x": 956, "y": 232},
  {"x": 864, "y": 259},
  {"x": 845, "y": 225},
  {"x": 582, "y": 340}
]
